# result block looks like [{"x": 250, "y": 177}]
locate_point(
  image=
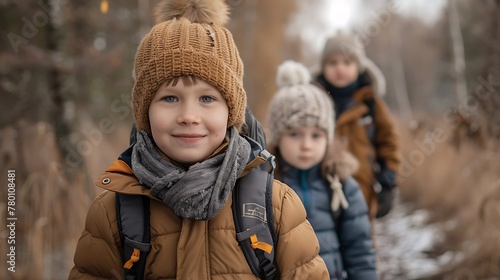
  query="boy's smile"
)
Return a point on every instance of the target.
[
  {"x": 189, "y": 138},
  {"x": 188, "y": 123}
]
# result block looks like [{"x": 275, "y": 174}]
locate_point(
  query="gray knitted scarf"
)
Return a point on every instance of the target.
[{"x": 199, "y": 192}]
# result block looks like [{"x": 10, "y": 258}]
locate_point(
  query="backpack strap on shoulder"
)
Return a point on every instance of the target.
[
  {"x": 370, "y": 127},
  {"x": 134, "y": 228},
  {"x": 254, "y": 217},
  {"x": 339, "y": 201}
]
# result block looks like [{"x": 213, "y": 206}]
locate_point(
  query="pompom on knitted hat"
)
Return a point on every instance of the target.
[
  {"x": 189, "y": 40},
  {"x": 298, "y": 103}
]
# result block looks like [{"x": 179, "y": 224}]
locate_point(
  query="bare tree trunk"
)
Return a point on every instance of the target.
[
  {"x": 57, "y": 112},
  {"x": 249, "y": 43},
  {"x": 144, "y": 15},
  {"x": 399, "y": 77},
  {"x": 258, "y": 30},
  {"x": 458, "y": 52}
]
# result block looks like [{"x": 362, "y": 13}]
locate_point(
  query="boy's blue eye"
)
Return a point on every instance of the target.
[
  {"x": 170, "y": 99},
  {"x": 206, "y": 99}
]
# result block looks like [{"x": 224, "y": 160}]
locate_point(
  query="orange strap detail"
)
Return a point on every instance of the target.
[
  {"x": 136, "y": 254},
  {"x": 256, "y": 244},
  {"x": 251, "y": 165}
]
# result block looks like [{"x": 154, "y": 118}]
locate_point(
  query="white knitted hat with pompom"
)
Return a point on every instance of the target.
[{"x": 298, "y": 103}]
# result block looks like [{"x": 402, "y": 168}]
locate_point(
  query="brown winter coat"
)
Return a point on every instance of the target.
[
  {"x": 349, "y": 129},
  {"x": 191, "y": 249}
]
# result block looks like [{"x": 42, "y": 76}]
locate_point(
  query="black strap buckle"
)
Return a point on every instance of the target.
[{"x": 266, "y": 266}]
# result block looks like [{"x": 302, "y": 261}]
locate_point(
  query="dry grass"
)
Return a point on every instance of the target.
[
  {"x": 52, "y": 197},
  {"x": 460, "y": 187}
]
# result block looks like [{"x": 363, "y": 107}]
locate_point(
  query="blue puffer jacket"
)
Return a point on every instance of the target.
[{"x": 345, "y": 247}]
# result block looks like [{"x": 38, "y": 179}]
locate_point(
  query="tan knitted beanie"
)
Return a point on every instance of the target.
[
  {"x": 346, "y": 44},
  {"x": 189, "y": 40},
  {"x": 350, "y": 44},
  {"x": 298, "y": 103}
]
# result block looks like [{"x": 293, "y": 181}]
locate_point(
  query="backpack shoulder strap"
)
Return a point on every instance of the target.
[
  {"x": 337, "y": 217},
  {"x": 339, "y": 201},
  {"x": 370, "y": 103},
  {"x": 134, "y": 228},
  {"x": 253, "y": 129},
  {"x": 370, "y": 128},
  {"x": 254, "y": 218}
]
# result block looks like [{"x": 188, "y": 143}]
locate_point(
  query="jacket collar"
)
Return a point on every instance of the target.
[
  {"x": 295, "y": 173},
  {"x": 119, "y": 176},
  {"x": 358, "y": 107}
]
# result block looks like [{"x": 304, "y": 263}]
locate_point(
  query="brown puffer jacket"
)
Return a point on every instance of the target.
[
  {"x": 190, "y": 249},
  {"x": 348, "y": 128}
]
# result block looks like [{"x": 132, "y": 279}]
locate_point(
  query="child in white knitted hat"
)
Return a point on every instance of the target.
[
  {"x": 301, "y": 132},
  {"x": 189, "y": 106}
]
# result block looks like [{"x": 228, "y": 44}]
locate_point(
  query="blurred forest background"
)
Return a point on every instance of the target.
[{"x": 65, "y": 112}]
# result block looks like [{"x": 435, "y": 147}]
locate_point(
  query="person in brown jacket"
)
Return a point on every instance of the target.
[
  {"x": 189, "y": 108},
  {"x": 363, "y": 119}
]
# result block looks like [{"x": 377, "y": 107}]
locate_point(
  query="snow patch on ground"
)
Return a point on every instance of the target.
[{"x": 402, "y": 237}]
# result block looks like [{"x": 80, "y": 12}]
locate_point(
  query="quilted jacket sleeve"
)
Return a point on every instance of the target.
[
  {"x": 297, "y": 249},
  {"x": 97, "y": 255},
  {"x": 355, "y": 235}
]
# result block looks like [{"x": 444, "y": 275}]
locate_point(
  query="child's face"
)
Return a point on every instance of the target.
[
  {"x": 303, "y": 147},
  {"x": 188, "y": 123},
  {"x": 340, "y": 70}
]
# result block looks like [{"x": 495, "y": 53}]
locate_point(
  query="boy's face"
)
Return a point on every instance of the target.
[
  {"x": 188, "y": 123},
  {"x": 303, "y": 147},
  {"x": 340, "y": 70}
]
